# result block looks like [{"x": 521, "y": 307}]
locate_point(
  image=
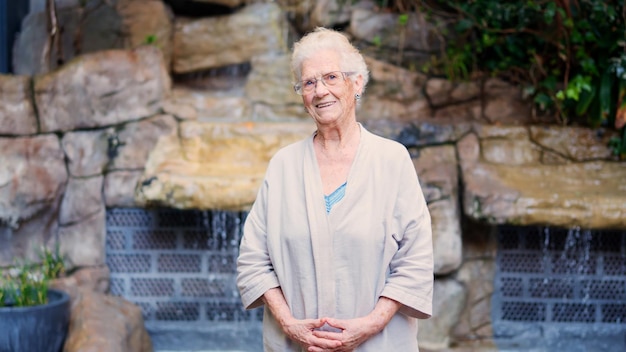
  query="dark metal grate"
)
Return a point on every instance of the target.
[
  {"x": 574, "y": 312},
  {"x": 177, "y": 311},
  {"x": 178, "y": 266},
  {"x": 147, "y": 287},
  {"x": 523, "y": 311},
  {"x": 551, "y": 275},
  {"x": 614, "y": 313}
]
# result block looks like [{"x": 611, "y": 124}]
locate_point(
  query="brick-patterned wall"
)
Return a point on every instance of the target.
[{"x": 177, "y": 265}]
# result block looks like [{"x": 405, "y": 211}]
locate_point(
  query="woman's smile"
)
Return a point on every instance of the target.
[{"x": 325, "y": 104}]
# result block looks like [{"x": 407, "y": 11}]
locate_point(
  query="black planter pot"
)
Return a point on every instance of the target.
[{"x": 38, "y": 328}]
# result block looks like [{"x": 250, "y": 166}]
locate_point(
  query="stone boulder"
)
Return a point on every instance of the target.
[
  {"x": 132, "y": 143},
  {"x": 83, "y": 242},
  {"x": 92, "y": 153},
  {"x": 208, "y": 105},
  {"x": 396, "y": 95},
  {"x": 33, "y": 178},
  {"x": 437, "y": 170},
  {"x": 87, "y": 152},
  {"x": 270, "y": 89},
  {"x": 504, "y": 103},
  {"x": 82, "y": 222},
  {"x": 492, "y": 101},
  {"x": 419, "y": 133},
  {"x": 119, "y": 189},
  {"x": 214, "y": 165},
  {"x": 102, "y": 89},
  {"x": 448, "y": 302},
  {"x": 30, "y": 43},
  {"x": 329, "y": 13},
  {"x": 92, "y": 26},
  {"x": 89, "y": 279},
  {"x": 474, "y": 321},
  {"x": 83, "y": 198},
  {"x": 511, "y": 179},
  {"x": 393, "y": 94},
  {"x": 147, "y": 22},
  {"x": 589, "y": 144},
  {"x": 416, "y": 33},
  {"x": 311, "y": 14},
  {"x": 104, "y": 323},
  {"x": 226, "y": 40},
  {"x": 271, "y": 82},
  {"x": 17, "y": 115}
]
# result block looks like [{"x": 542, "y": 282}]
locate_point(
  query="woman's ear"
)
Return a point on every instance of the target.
[{"x": 358, "y": 84}]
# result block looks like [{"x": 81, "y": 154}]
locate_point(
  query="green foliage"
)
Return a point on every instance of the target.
[
  {"x": 377, "y": 41},
  {"x": 52, "y": 264},
  {"x": 150, "y": 39},
  {"x": 403, "y": 19},
  {"x": 26, "y": 284},
  {"x": 569, "y": 56},
  {"x": 618, "y": 145},
  {"x": 3, "y": 289}
]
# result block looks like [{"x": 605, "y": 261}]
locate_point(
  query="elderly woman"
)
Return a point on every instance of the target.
[{"x": 337, "y": 245}]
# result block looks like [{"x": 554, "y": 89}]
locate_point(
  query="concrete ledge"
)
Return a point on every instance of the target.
[{"x": 220, "y": 336}]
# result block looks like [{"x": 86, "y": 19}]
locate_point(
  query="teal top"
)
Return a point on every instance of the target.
[{"x": 335, "y": 197}]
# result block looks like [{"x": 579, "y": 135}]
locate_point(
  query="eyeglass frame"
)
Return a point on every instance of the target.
[{"x": 300, "y": 86}]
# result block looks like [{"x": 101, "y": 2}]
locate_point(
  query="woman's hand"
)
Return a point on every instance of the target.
[
  {"x": 356, "y": 331},
  {"x": 303, "y": 332},
  {"x": 353, "y": 333},
  {"x": 299, "y": 330}
]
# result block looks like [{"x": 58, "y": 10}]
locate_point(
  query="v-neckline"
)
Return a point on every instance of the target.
[
  {"x": 351, "y": 171},
  {"x": 336, "y": 190}
]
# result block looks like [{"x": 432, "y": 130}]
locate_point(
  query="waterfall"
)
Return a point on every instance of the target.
[{"x": 179, "y": 266}]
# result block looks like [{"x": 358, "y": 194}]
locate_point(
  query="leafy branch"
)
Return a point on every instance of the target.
[{"x": 569, "y": 56}]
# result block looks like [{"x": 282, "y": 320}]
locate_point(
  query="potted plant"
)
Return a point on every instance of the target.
[{"x": 32, "y": 316}]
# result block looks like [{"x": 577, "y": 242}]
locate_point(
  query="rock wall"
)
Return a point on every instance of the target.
[{"x": 191, "y": 120}]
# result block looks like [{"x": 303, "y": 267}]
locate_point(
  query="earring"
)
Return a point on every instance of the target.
[{"x": 357, "y": 96}]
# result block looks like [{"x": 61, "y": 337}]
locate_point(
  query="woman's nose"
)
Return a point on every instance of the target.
[{"x": 320, "y": 88}]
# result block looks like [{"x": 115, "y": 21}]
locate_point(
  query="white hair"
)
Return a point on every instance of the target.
[{"x": 327, "y": 39}]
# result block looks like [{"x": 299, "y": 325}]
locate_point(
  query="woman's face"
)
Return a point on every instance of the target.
[{"x": 329, "y": 105}]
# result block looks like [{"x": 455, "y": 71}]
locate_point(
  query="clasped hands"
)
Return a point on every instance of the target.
[{"x": 350, "y": 333}]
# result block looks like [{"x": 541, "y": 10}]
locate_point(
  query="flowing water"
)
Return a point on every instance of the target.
[{"x": 560, "y": 289}]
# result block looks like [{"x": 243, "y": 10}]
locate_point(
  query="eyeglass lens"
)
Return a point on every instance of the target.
[{"x": 329, "y": 79}]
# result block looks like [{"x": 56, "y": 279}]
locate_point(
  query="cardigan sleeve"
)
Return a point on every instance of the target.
[
  {"x": 255, "y": 272},
  {"x": 410, "y": 278}
]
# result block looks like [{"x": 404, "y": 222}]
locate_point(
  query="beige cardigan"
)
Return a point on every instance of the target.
[{"x": 376, "y": 241}]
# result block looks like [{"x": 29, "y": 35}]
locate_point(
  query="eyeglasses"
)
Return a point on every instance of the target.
[{"x": 329, "y": 79}]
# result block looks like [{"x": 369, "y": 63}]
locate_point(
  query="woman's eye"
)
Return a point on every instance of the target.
[
  {"x": 330, "y": 77},
  {"x": 309, "y": 83}
]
